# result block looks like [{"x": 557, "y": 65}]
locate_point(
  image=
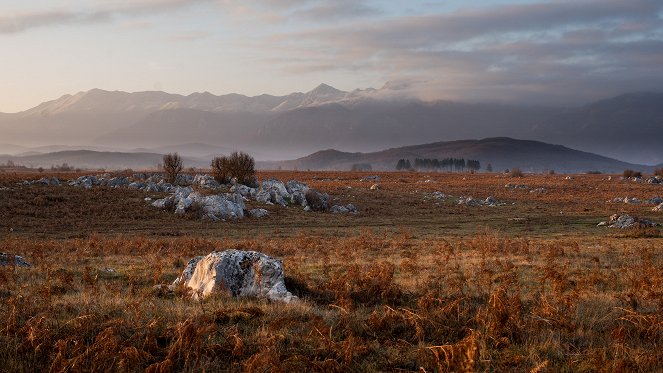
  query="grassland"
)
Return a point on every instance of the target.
[{"x": 412, "y": 283}]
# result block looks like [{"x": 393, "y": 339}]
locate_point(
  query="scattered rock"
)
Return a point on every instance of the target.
[
  {"x": 375, "y": 187},
  {"x": 538, "y": 190},
  {"x": 317, "y": 201},
  {"x": 655, "y": 180},
  {"x": 625, "y": 221},
  {"x": 347, "y": 209},
  {"x": 13, "y": 260},
  {"x": 237, "y": 273},
  {"x": 370, "y": 178},
  {"x": 258, "y": 213},
  {"x": 516, "y": 186}
]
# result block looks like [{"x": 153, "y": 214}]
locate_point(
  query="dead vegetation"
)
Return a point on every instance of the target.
[{"x": 423, "y": 297}]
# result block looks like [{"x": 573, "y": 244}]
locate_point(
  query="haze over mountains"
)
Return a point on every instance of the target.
[{"x": 628, "y": 127}]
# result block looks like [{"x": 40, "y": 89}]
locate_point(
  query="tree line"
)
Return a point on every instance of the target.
[{"x": 434, "y": 164}]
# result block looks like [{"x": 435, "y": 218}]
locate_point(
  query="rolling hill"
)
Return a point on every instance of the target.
[{"x": 501, "y": 153}]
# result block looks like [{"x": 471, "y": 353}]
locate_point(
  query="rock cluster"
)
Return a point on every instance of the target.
[
  {"x": 236, "y": 273},
  {"x": 10, "y": 259},
  {"x": 625, "y": 221},
  {"x": 515, "y": 186},
  {"x": 215, "y": 207},
  {"x": 469, "y": 201},
  {"x": 632, "y": 200}
]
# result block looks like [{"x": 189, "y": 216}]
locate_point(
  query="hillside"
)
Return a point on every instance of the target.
[{"x": 501, "y": 153}]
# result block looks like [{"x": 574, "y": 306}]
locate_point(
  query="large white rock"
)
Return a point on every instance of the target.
[{"x": 237, "y": 273}]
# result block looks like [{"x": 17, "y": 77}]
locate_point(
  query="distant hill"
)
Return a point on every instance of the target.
[
  {"x": 502, "y": 153},
  {"x": 627, "y": 127},
  {"x": 88, "y": 159}
]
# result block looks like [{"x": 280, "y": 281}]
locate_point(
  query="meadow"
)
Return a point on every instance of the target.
[{"x": 413, "y": 283}]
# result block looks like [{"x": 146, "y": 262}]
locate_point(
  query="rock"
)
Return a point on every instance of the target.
[
  {"x": 658, "y": 208},
  {"x": 626, "y": 221},
  {"x": 237, "y": 273},
  {"x": 136, "y": 185},
  {"x": 371, "y": 178},
  {"x": 151, "y": 187},
  {"x": 277, "y": 186},
  {"x": 538, "y": 190},
  {"x": 655, "y": 180},
  {"x": 184, "y": 179},
  {"x": 263, "y": 196},
  {"x": 220, "y": 207},
  {"x": 205, "y": 181},
  {"x": 347, "y": 209},
  {"x": 609, "y": 178},
  {"x": 469, "y": 201},
  {"x": 516, "y": 186},
  {"x": 375, "y": 187},
  {"x": 490, "y": 201},
  {"x": 317, "y": 201},
  {"x": 244, "y": 191},
  {"x": 439, "y": 195},
  {"x": 10, "y": 260},
  {"x": 55, "y": 181},
  {"x": 656, "y": 200},
  {"x": 296, "y": 186},
  {"x": 258, "y": 213},
  {"x": 568, "y": 178},
  {"x": 631, "y": 201},
  {"x": 164, "y": 202}
]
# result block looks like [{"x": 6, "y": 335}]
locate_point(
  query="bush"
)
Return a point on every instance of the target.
[
  {"x": 658, "y": 172},
  {"x": 630, "y": 173},
  {"x": 238, "y": 165},
  {"x": 515, "y": 172},
  {"x": 172, "y": 166}
]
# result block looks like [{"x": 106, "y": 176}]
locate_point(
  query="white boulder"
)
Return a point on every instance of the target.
[{"x": 236, "y": 273}]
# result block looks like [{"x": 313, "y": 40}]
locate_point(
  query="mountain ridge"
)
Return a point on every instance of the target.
[{"x": 627, "y": 127}]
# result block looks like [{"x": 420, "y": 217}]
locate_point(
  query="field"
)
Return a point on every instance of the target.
[{"x": 412, "y": 283}]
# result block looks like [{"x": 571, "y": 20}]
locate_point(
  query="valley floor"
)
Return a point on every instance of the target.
[{"x": 414, "y": 282}]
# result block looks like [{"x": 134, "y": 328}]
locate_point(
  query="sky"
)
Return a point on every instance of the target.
[{"x": 555, "y": 52}]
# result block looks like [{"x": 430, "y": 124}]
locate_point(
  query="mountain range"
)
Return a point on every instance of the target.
[{"x": 627, "y": 127}]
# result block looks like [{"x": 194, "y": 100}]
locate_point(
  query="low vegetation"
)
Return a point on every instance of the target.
[
  {"x": 630, "y": 173},
  {"x": 409, "y": 284},
  {"x": 238, "y": 165}
]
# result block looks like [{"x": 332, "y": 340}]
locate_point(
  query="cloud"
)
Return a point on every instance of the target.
[
  {"x": 556, "y": 51},
  {"x": 97, "y": 14}
]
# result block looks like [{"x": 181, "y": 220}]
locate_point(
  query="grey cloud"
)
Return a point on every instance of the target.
[
  {"x": 557, "y": 52},
  {"x": 26, "y": 21},
  {"x": 323, "y": 11}
]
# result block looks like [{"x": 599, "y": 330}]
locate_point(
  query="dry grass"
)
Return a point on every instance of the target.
[{"x": 433, "y": 294}]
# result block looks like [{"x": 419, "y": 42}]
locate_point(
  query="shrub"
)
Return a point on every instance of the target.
[
  {"x": 237, "y": 165},
  {"x": 172, "y": 166},
  {"x": 658, "y": 172},
  {"x": 628, "y": 173},
  {"x": 515, "y": 172}
]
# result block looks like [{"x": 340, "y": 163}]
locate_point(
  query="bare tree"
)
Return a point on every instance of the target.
[{"x": 172, "y": 166}]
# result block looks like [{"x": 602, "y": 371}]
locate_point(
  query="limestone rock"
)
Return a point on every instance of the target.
[
  {"x": 10, "y": 259},
  {"x": 258, "y": 213},
  {"x": 236, "y": 273},
  {"x": 625, "y": 221}
]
